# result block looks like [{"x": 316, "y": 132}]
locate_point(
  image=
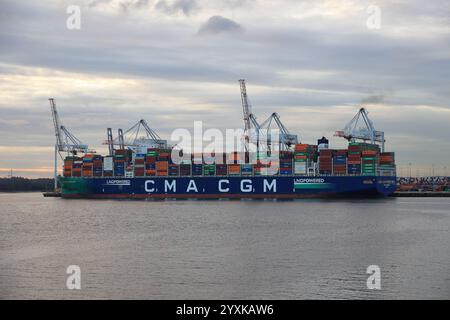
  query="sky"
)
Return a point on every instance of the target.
[{"x": 173, "y": 62}]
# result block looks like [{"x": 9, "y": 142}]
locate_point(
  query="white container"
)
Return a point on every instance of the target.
[
  {"x": 108, "y": 164},
  {"x": 129, "y": 174}
]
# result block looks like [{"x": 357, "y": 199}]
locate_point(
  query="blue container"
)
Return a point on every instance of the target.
[
  {"x": 354, "y": 168},
  {"x": 246, "y": 168},
  {"x": 285, "y": 171}
]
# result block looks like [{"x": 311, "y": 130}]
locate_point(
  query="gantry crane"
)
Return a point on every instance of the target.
[
  {"x": 139, "y": 135},
  {"x": 65, "y": 140},
  {"x": 252, "y": 129},
  {"x": 361, "y": 128},
  {"x": 286, "y": 139}
]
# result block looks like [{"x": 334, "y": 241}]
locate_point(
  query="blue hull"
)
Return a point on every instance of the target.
[{"x": 270, "y": 187}]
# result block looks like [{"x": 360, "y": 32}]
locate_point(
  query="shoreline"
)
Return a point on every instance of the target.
[{"x": 421, "y": 194}]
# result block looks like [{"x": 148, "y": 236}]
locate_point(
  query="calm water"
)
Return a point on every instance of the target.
[{"x": 224, "y": 249}]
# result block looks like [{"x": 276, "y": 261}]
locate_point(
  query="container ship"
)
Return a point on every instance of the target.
[
  {"x": 299, "y": 170},
  {"x": 359, "y": 171}
]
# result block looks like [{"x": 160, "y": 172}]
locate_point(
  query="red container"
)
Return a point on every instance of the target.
[
  {"x": 326, "y": 152},
  {"x": 139, "y": 161},
  {"x": 369, "y": 153},
  {"x": 340, "y": 152}
]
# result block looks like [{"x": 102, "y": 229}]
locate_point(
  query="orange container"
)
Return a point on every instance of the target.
[
  {"x": 150, "y": 172},
  {"x": 162, "y": 165},
  {"x": 301, "y": 147},
  {"x": 369, "y": 153},
  {"x": 234, "y": 169}
]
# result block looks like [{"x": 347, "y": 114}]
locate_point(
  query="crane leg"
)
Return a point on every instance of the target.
[{"x": 56, "y": 168}]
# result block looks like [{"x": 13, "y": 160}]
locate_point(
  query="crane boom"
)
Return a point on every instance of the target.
[
  {"x": 252, "y": 129},
  {"x": 245, "y": 105},
  {"x": 362, "y": 128},
  {"x": 56, "y": 122}
]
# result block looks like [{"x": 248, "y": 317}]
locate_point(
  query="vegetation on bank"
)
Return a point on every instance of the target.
[{"x": 16, "y": 184}]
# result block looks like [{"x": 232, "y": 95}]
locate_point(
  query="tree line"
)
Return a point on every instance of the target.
[{"x": 24, "y": 184}]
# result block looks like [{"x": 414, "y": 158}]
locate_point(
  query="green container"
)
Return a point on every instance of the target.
[{"x": 209, "y": 169}]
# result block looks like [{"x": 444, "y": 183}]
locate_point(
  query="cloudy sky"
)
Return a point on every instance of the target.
[{"x": 176, "y": 61}]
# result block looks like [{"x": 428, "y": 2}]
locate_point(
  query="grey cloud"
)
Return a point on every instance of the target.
[
  {"x": 219, "y": 24},
  {"x": 377, "y": 98},
  {"x": 176, "y": 6},
  {"x": 125, "y": 5},
  {"x": 95, "y": 3},
  {"x": 133, "y": 4}
]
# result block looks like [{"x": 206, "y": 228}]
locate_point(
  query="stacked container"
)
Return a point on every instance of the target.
[
  {"x": 387, "y": 164},
  {"x": 234, "y": 169},
  {"x": 209, "y": 169},
  {"x": 76, "y": 167},
  {"x": 326, "y": 161},
  {"x": 246, "y": 169},
  {"x": 120, "y": 160},
  {"x": 97, "y": 164},
  {"x": 150, "y": 161},
  {"x": 286, "y": 160},
  {"x": 68, "y": 165},
  {"x": 197, "y": 169},
  {"x": 354, "y": 158},
  {"x": 369, "y": 162},
  {"x": 340, "y": 162},
  {"x": 259, "y": 168},
  {"x": 139, "y": 165},
  {"x": 162, "y": 168},
  {"x": 185, "y": 169},
  {"x": 174, "y": 170},
  {"x": 303, "y": 156},
  {"x": 163, "y": 155},
  {"x": 108, "y": 166},
  {"x": 221, "y": 169},
  {"x": 88, "y": 165}
]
